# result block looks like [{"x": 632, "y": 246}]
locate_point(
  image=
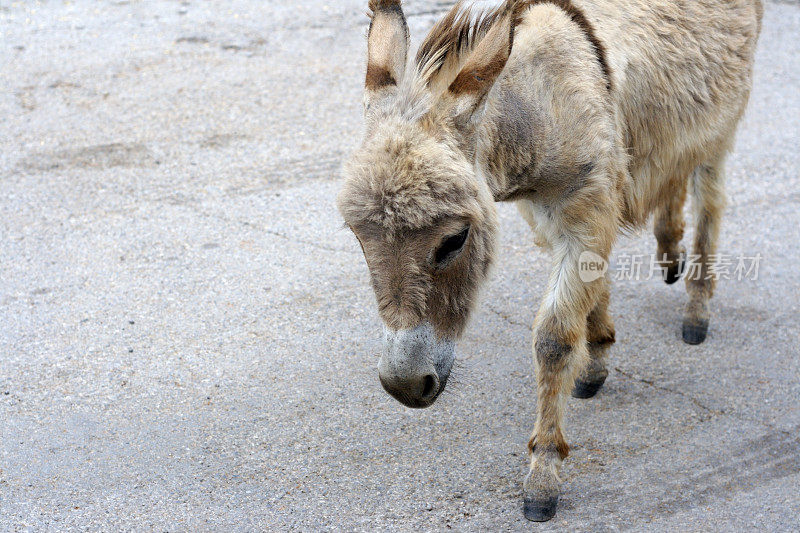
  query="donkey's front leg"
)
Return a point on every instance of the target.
[{"x": 560, "y": 346}]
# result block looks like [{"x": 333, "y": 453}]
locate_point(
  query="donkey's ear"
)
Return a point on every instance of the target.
[
  {"x": 481, "y": 69},
  {"x": 387, "y": 47}
]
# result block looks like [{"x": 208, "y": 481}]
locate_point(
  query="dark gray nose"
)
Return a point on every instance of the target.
[
  {"x": 415, "y": 365},
  {"x": 416, "y": 390}
]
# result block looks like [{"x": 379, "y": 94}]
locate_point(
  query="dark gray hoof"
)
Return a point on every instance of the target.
[
  {"x": 586, "y": 389},
  {"x": 540, "y": 510},
  {"x": 695, "y": 332},
  {"x": 674, "y": 272}
]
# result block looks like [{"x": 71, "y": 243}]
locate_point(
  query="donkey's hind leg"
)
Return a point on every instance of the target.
[
  {"x": 668, "y": 228},
  {"x": 600, "y": 335},
  {"x": 708, "y": 191}
]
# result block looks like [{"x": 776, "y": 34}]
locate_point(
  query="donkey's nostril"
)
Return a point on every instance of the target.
[{"x": 429, "y": 386}]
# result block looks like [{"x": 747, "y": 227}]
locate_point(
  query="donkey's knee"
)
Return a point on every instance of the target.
[{"x": 551, "y": 351}]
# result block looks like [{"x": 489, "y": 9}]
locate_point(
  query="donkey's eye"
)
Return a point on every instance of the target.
[{"x": 450, "y": 248}]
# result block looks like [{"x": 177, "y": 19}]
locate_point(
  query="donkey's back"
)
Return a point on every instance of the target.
[{"x": 682, "y": 74}]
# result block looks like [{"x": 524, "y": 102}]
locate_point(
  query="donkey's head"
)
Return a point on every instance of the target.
[{"x": 426, "y": 222}]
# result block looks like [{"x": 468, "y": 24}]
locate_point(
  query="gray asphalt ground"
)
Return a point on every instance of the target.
[{"x": 188, "y": 340}]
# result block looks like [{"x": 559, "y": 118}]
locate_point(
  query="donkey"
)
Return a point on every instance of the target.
[{"x": 590, "y": 115}]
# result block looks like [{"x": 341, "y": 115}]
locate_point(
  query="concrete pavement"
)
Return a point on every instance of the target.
[{"x": 188, "y": 340}]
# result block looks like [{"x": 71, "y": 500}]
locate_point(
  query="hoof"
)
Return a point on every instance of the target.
[
  {"x": 541, "y": 488},
  {"x": 674, "y": 272},
  {"x": 540, "y": 510},
  {"x": 695, "y": 332},
  {"x": 591, "y": 379},
  {"x": 586, "y": 389}
]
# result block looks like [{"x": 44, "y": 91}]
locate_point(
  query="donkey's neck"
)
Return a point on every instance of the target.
[{"x": 548, "y": 123}]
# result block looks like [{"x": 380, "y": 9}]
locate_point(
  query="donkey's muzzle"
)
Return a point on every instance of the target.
[
  {"x": 415, "y": 392},
  {"x": 415, "y": 365}
]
